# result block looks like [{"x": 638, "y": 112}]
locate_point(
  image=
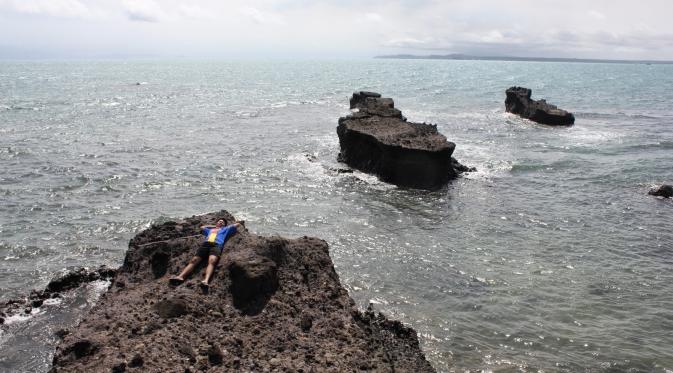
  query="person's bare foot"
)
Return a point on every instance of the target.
[{"x": 176, "y": 280}]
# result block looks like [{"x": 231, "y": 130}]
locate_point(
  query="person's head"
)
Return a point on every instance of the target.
[{"x": 220, "y": 223}]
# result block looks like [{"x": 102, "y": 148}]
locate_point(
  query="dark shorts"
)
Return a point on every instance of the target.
[{"x": 207, "y": 249}]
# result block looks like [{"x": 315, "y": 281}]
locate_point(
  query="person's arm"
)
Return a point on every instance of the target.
[{"x": 238, "y": 225}]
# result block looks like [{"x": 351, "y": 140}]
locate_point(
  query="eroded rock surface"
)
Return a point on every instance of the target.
[
  {"x": 275, "y": 304},
  {"x": 378, "y": 139},
  {"x": 518, "y": 102}
]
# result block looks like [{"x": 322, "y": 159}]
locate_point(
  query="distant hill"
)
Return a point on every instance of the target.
[{"x": 466, "y": 57}]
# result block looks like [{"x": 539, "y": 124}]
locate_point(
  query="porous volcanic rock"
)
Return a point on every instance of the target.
[
  {"x": 275, "y": 304},
  {"x": 378, "y": 139},
  {"x": 665, "y": 191},
  {"x": 518, "y": 102}
]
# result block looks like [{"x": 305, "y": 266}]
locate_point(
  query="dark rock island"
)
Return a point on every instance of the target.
[
  {"x": 378, "y": 139},
  {"x": 518, "y": 102},
  {"x": 664, "y": 190},
  {"x": 275, "y": 304}
]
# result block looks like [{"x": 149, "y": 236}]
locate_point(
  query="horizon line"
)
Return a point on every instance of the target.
[{"x": 468, "y": 57}]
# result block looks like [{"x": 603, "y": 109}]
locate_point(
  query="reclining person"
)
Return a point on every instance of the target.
[{"x": 211, "y": 249}]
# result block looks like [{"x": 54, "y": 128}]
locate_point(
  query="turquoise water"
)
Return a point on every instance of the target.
[{"x": 551, "y": 257}]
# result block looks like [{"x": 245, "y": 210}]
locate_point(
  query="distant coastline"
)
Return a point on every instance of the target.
[{"x": 467, "y": 57}]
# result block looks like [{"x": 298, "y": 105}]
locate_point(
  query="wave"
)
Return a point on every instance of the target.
[
  {"x": 595, "y": 115},
  {"x": 254, "y": 112},
  {"x": 11, "y": 252},
  {"x": 486, "y": 169},
  {"x": 648, "y": 146},
  {"x": 21, "y": 107},
  {"x": 282, "y": 104},
  {"x": 10, "y": 152},
  {"x": 530, "y": 167}
]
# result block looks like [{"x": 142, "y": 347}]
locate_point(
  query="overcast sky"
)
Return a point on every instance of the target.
[{"x": 335, "y": 29}]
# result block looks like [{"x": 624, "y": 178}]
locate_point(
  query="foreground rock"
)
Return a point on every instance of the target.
[
  {"x": 378, "y": 139},
  {"x": 665, "y": 191},
  {"x": 518, "y": 102},
  {"x": 274, "y": 305}
]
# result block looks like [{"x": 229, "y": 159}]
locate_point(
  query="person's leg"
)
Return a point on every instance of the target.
[
  {"x": 212, "y": 262},
  {"x": 189, "y": 268}
]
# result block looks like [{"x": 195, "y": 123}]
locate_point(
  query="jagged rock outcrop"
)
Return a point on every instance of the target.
[
  {"x": 64, "y": 282},
  {"x": 275, "y": 304},
  {"x": 378, "y": 139},
  {"x": 518, "y": 102},
  {"x": 664, "y": 190}
]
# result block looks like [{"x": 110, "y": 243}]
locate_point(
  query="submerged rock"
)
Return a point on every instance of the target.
[
  {"x": 378, "y": 139},
  {"x": 665, "y": 191},
  {"x": 275, "y": 304},
  {"x": 518, "y": 102}
]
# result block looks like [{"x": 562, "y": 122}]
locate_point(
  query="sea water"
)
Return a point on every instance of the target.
[{"x": 551, "y": 257}]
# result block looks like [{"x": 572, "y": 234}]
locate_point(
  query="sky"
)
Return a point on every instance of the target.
[{"x": 249, "y": 29}]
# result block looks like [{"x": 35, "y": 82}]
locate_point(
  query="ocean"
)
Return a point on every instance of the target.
[{"x": 551, "y": 257}]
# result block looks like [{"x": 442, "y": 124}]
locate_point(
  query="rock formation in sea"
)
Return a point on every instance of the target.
[
  {"x": 518, "y": 102},
  {"x": 64, "y": 282},
  {"x": 664, "y": 190},
  {"x": 275, "y": 304},
  {"x": 378, "y": 139}
]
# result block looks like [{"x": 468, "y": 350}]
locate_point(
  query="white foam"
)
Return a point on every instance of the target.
[
  {"x": 95, "y": 289},
  {"x": 590, "y": 136},
  {"x": 308, "y": 165},
  {"x": 21, "y": 317},
  {"x": 327, "y": 141},
  {"x": 378, "y": 301},
  {"x": 53, "y": 302},
  {"x": 246, "y": 114},
  {"x": 372, "y": 180}
]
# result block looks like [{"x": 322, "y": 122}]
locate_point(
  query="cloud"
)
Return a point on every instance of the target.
[
  {"x": 409, "y": 42},
  {"x": 373, "y": 17},
  {"x": 52, "y": 8},
  {"x": 346, "y": 28},
  {"x": 196, "y": 12},
  {"x": 597, "y": 15},
  {"x": 143, "y": 10},
  {"x": 262, "y": 18}
]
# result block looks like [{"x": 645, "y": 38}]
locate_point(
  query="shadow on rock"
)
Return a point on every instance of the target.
[{"x": 253, "y": 281}]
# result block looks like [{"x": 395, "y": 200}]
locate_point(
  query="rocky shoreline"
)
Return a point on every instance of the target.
[
  {"x": 55, "y": 288},
  {"x": 275, "y": 304}
]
